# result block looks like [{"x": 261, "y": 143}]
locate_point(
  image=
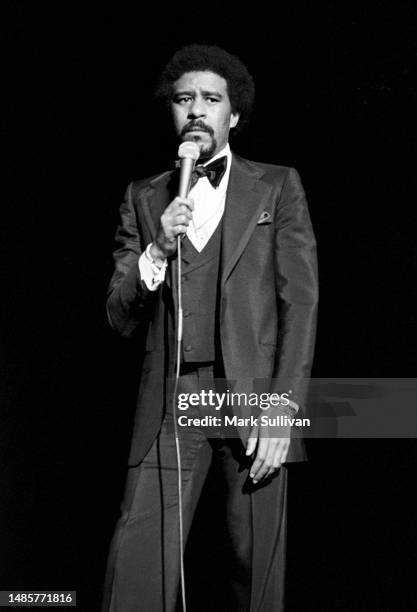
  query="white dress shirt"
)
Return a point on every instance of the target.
[{"x": 209, "y": 203}]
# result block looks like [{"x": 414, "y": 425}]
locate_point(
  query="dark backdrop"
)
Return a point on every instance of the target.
[{"x": 335, "y": 98}]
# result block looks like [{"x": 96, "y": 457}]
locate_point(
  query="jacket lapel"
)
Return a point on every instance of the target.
[{"x": 246, "y": 198}]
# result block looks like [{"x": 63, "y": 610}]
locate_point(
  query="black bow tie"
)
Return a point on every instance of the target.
[{"x": 214, "y": 172}]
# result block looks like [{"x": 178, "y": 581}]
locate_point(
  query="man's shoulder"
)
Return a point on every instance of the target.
[
  {"x": 264, "y": 170},
  {"x": 140, "y": 185}
]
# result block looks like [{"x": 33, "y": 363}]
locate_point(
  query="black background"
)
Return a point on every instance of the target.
[{"x": 336, "y": 96}]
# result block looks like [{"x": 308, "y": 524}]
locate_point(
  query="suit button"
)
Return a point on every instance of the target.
[
  {"x": 188, "y": 348},
  {"x": 184, "y": 279},
  {"x": 186, "y": 313}
]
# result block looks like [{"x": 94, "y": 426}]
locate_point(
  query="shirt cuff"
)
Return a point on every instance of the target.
[{"x": 151, "y": 274}]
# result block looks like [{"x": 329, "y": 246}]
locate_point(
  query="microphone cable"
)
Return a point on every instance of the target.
[{"x": 176, "y": 432}]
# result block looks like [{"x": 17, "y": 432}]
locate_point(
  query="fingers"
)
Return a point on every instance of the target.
[
  {"x": 181, "y": 219},
  {"x": 179, "y": 229},
  {"x": 280, "y": 456},
  {"x": 286, "y": 447},
  {"x": 181, "y": 205},
  {"x": 258, "y": 469},
  {"x": 252, "y": 440},
  {"x": 177, "y": 216},
  {"x": 184, "y": 202},
  {"x": 174, "y": 222},
  {"x": 271, "y": 453}
]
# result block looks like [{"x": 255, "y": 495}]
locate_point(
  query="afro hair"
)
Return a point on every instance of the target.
[{"x": 192, "y": 58}]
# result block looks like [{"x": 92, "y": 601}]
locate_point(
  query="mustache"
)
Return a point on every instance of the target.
[{"x": 196, "y": 125}]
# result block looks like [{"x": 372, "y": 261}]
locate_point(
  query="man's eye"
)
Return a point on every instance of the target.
[
  {"x": 183, "y": 99},
  {"x": 212, "y": 100}
]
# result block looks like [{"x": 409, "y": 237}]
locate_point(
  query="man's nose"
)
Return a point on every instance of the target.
[{"x": 197, "y": 109}]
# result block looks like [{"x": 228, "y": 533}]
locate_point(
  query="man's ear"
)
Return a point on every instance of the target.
[{"x": 234, "y": 119}]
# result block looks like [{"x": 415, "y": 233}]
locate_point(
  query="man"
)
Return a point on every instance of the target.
[{"x": 249, "y": 291}]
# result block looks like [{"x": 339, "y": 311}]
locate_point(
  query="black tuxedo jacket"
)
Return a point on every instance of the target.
[{"x": 268, "y": 289}]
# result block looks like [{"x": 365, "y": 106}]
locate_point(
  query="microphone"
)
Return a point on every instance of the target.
[{"x": 188, "y": 153}]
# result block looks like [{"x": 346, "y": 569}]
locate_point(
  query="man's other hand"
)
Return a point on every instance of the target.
[{"x": 271, "y": 452}]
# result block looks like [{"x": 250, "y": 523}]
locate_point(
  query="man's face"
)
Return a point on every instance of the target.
[{"x": 202, "y": 112}]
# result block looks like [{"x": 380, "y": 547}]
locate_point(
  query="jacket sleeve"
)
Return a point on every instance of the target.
[
  {"x": 297, "y": 288},
  {"x": 129, "y": 301}
]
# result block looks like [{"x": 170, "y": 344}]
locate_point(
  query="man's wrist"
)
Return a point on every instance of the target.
[{"x": 155, "y": 255}]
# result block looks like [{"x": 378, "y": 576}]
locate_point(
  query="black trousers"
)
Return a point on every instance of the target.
[{"x": 144, "y": 563}]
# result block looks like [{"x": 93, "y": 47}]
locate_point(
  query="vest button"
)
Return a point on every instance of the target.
[{"x": 188, "y": 348}]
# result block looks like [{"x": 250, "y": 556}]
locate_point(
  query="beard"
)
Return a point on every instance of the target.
[{"x": 207, "y": 149}]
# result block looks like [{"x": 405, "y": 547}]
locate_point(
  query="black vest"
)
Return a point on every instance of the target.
[{"x": 200, "y": 274}]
